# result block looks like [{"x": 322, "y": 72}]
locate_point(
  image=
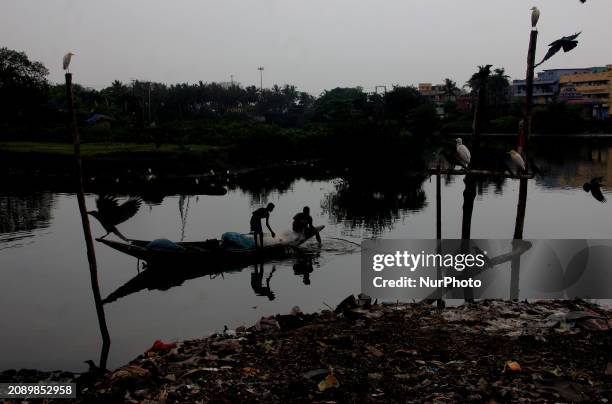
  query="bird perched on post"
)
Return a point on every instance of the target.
[
  {"x": 451, "y": 158},
  {"x": 66, "y": 61},
  {"x": 110, "y": 213},
  {"x": 594, "y": 187},
  {"x": 463, "y": 154},
  {"x": 567, "y": 43},
  {"x": 516, "y": 164},
  {"x": 535, "y": 16}
]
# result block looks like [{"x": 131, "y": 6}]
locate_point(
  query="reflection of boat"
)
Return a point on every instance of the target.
[
  {"x": 165, "y": 277},
  {"x": 212, "y": 251}
]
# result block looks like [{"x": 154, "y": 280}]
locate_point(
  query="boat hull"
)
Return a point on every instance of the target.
[{"x": 207, "y": 251}]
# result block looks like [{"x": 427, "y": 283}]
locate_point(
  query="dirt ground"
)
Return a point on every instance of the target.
[{"x": 489, "y": 351}]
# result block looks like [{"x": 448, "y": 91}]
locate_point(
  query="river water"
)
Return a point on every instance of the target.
[{"x": 47, "y": 314}]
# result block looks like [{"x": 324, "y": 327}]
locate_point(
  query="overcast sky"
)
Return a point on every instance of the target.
[{"x": 314, "y": 44}]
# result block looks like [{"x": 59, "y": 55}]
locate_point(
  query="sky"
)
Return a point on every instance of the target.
[{"x": 313, "y": 44}]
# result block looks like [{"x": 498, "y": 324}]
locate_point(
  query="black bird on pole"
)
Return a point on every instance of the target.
[
  {"x": 110, "y": 213},
  {"x": 567, "y": 43}
]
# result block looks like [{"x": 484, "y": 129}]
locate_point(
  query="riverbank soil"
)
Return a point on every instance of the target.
[{"x": 490, "y": 351}]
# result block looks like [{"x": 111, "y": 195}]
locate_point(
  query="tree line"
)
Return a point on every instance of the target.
[{"x": 28, "y": 99}]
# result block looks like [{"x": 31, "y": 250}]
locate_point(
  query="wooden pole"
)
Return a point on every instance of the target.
[
  {"x": 531, "y": 54},
  {"x": 469, "y": 195},
  {"x": 440, "y": 301},
  {"x": 91, "y": 254},
  {"x": 524, "y": 135},
  {"x": 438, "y": 205}
]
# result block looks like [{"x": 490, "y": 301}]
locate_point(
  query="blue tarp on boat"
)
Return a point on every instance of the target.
[
  {"x": 162, "y": 244},
  {"x": 238, "y": 240}
]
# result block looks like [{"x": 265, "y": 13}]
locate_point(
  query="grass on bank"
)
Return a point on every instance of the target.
[{"x": 91, "y": 149}]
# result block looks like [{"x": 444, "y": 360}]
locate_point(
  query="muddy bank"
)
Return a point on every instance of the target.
[{"x": 489, "y": 351}]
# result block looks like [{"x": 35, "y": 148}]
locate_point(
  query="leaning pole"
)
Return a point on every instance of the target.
[{"x": 91, "y": 253}]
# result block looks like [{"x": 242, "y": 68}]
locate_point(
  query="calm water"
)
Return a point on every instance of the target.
[{"x": 47, "y": 315}]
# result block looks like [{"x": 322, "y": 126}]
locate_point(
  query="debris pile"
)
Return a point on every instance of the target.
[{"x": 489, "y": 351}]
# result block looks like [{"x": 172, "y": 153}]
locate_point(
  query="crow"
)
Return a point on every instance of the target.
[
  {"x": 110, "y": 213},
  {"x": 594, "y": 187},
  {"x": 567, "y": 43}
]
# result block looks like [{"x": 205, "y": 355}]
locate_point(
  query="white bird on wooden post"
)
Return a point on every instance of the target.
[
  {"x": 516, "y": 162},
  {"x": 463, "y": 153},
  {"x": 66, "y": 61},
  {"x": 535, "y": 16}
]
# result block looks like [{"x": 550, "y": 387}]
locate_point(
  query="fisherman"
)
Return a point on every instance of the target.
[
  {"x": 302, "y": 223},
  {"x": 256, "y": 227}
]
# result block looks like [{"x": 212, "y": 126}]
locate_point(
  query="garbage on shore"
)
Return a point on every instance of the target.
[{"x": 488, "y": 351}]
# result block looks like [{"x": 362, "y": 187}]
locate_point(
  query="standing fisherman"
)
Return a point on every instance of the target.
[{"x": 256, "y": 227}]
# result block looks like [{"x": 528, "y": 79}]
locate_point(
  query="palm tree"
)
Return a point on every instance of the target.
[
  {"x": 478, "y": 83},
  {"x": 497, "y": 90},
  {"x": 450, "y": 90}
]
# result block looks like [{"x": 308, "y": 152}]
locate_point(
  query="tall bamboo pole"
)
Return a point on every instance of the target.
[
  {"x": 438, "y": 204},
  {"x": 440, "y": 301},
  {"x": 523, "y": 143},
  {"x": 91, "y": 254},
  {"x": 524, "y": 135}
]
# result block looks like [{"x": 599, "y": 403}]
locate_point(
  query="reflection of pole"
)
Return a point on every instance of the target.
[{"x": 91, "y": 254}]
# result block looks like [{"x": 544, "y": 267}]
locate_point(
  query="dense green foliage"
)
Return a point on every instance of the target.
[
  {"x": 259, "y": 122},
  {"x": 23, "y": 86}
]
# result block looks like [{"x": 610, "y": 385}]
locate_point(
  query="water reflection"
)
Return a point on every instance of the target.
[
  {"x": 571, "y": 164},
  {"x": 261, "y": 287},
  {"x": 184, "y": 301},
  {"x": 160, "y": 276},
  {"x": 21, "y": 214},
  {"x": 373, "y": 205}
]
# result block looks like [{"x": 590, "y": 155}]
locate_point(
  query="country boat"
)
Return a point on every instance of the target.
[{"x": 224, "y": 252}]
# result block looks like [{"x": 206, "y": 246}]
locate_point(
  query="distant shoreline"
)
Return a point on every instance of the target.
[{"x": 568, "y": 136}]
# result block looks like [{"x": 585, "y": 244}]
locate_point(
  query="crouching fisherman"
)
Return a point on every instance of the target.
[
  {"x": 256, "y": 228},
  {"x": 302, "y": 224}
]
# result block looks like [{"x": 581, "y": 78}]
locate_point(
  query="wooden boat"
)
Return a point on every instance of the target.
[{"x": 213, "y": 251}]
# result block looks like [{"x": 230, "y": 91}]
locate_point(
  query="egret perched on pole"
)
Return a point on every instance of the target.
[
  {"x": 516, "y": 164},
  {"x": 463, "y": 153},
  {"x": 535, "y": 16},
  {"x": 66, "y": 61}
]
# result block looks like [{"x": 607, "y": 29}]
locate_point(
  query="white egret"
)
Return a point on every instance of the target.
[
  {"x": 535, "y": 16},
  {"x": 463, "y": 153},
  {"x": 66, "y": 61},
  {"x": 516, "y": 162}
]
